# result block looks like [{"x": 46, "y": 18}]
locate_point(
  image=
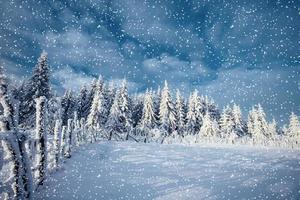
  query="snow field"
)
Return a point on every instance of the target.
[{"x": 125, "y": 170}]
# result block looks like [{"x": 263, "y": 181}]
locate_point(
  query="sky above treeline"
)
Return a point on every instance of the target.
[{"x": 245, "y": 52}]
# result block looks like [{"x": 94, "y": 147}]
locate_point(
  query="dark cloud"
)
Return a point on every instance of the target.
[{"x": 227, "y": 49}]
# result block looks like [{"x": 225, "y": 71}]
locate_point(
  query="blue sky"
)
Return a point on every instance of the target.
[{"x": 234, "y": 51}]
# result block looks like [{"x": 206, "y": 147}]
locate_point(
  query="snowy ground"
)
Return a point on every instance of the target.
[{"x": 125, "y": 170}]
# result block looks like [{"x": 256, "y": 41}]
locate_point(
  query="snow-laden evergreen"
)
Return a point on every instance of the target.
[
  {"x": 257, "y": 125},
  {"x": 137, "y": 109},
  {"x": 93, "y": 119},
  {"x": 119, "y": 122},
  {"x": 148, "y": 120},
  {"x": 180, "y": 113},
  {"x": 38, "y": 85},
  {"x": 209, "y": 129},
  {"x": 194, "y": 115},
  {"x": 68, "y": 104},
  {"x": 227, "y": 125},
  {"x": 167, "y": 116},
  {"x": 83, "y": 101},
  {"x": 239, "y": 125},
  {"x": 293, "y": 130}
]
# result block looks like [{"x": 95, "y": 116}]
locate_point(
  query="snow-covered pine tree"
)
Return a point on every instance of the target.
[
  {"x": 156, "y": 102},
  {"x": 126, "y": 108},
  {"x": 257, "y": 125},
  {"x": 239, "y": 126},
  {"x": 99, "y": 108},
  {"x": 68, "y": 107},
  {"x": 167, "y": 118},
  {"x": 114, "y": 124},
  {"x": 57, "y": 143},
  {"x": 251, "y": 122},
  {"x": 119, "y": 122},
  {"x": 194, "y": 116},
  {"x": 82, "y": 107},
  {"x": 273, "y": 130},
  {"x": 201, "y": 107},
  {"x": 111, "y": 92},
  {"x": 86, "y": 107},
  {"x": 103, "y": 106},
  {"x": 209, "y": 128},
  {"x": 37, "y": 86},
  {"x": 137, "y": 110},
  {"x": 93, "y": 118},
  {"x": 41, "y": 141},
  {"x": 148, "y": 120},
  {"x": 227, "y": 125},
  {"x": 261, "y": 125},
  {"x": 191, "y": 120},
  {"x": 180, "y": 111},
  {"x": 293, "y": 129},
  {"x": 211, "y": 108}
]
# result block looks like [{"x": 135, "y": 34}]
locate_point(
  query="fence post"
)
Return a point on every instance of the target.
[
  {"x": 41, "y": 156},
  {"x": 57, "y": 142}
]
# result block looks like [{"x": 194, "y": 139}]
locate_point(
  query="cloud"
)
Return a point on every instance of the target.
[
  {"x": 208, "y": 45},
  {"x": 77, "y": 48},
  {"x": 133, "y": 87},
  {"x": 278, "y": 91},
  {"x": 150, "y": 24},
  {"x": 69, "y": 79},
  {"x": 171, "y": 66}
]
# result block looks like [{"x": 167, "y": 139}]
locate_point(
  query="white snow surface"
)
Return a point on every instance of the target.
[{"x": 125, "y": 170}]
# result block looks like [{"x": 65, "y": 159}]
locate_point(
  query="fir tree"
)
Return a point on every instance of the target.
[
  {"x": 99, "y": 109},
  {"x": 68, "y": 107},
  {"x": 93, "y": 118},
  {"x": 82, "y": 108},
  {"x": 125, "y": 107},
  {"x": 293, "y": 129},
  {"x": 227, "y": 124},
  {"x": 273, "y": 129},
  {"x": 211, "y": 108},
  {"x": 180, "y": 113},
  {"x": 262, "y": 124},
  {"x": 210, "y": 127},
  {"x": 148, "y": 120},
  {"x": 137, "y": 110},
  {"x": 251, "y": 122},
  {"x": 37, "y": 86},
  {"x": 120, "y": 118},
  {"x": 167, "y": 116},
  {"x": 257, "y": 124},
  {"x": 194, "y": 115},
  {"x": 239, "y": 126}
]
